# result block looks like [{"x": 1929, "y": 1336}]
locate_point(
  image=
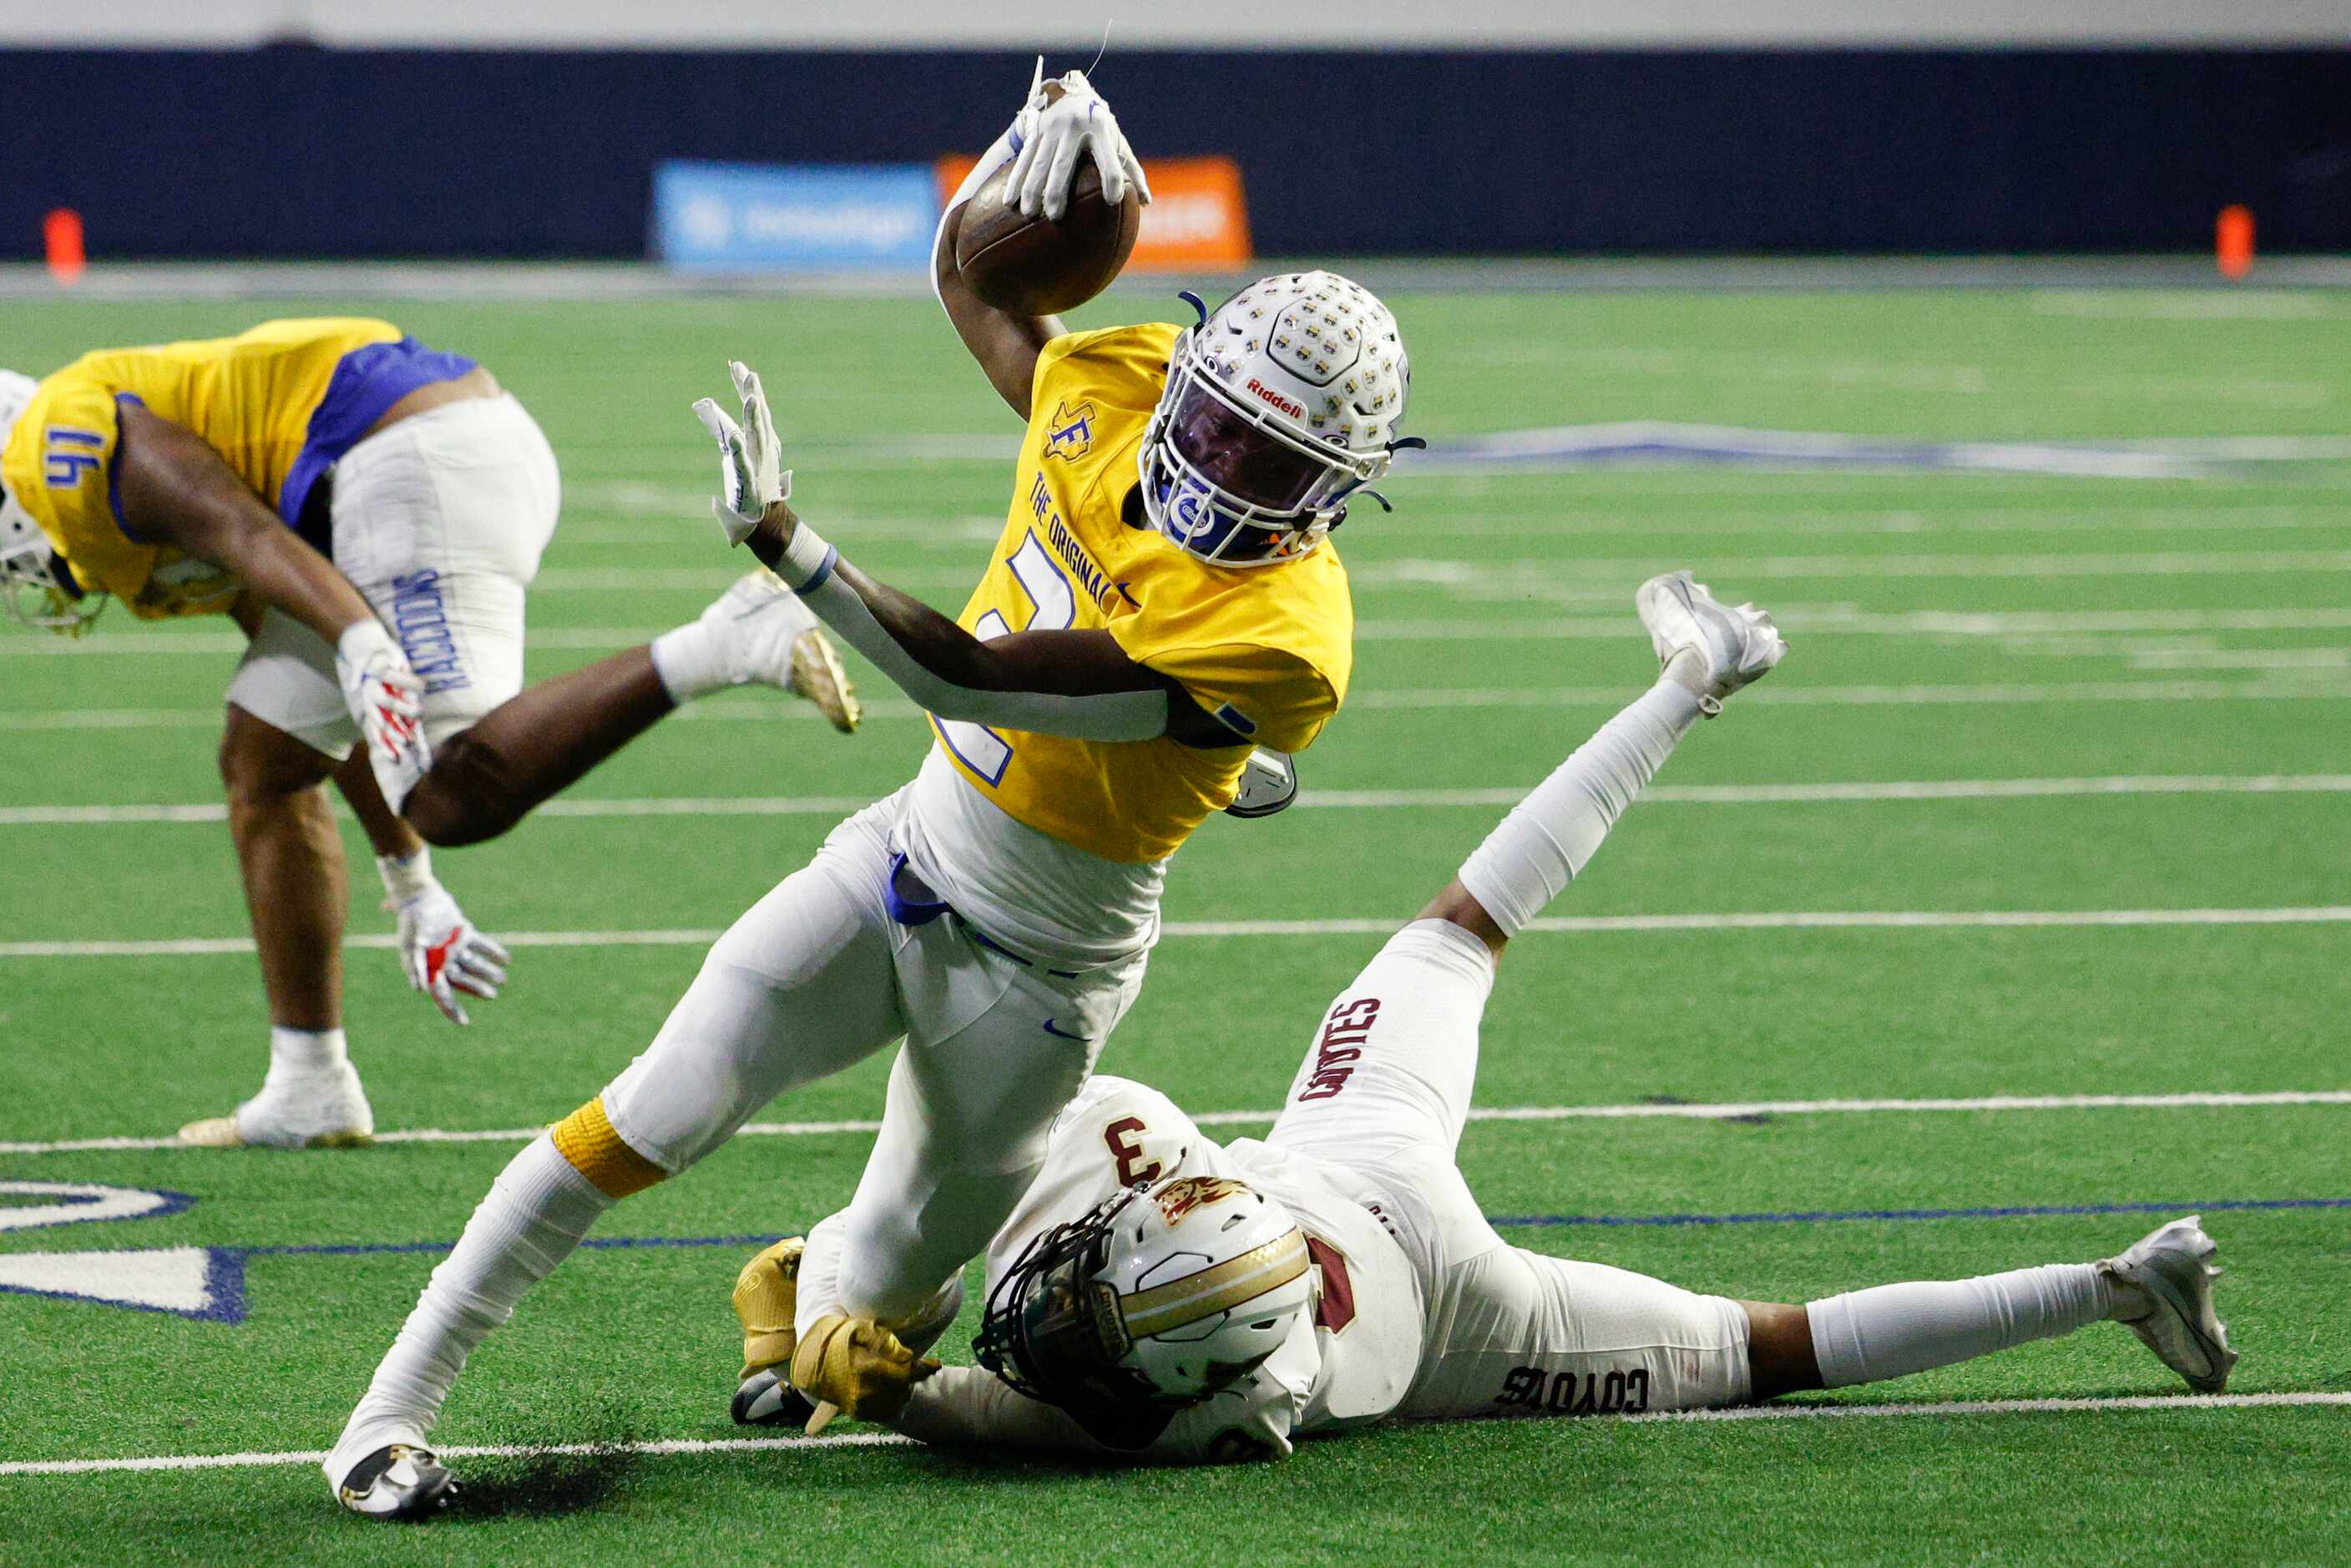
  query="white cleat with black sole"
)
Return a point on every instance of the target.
[
  {"x": 1707, "y": 646},
  {"x": 314, "y": 1111},
  {"x": 763, "y": 632},
  {"x": 401, "y": 1483},
  {"x": 2164, "y": 1281}
]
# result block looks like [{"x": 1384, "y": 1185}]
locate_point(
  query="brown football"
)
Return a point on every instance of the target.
[{"x": 1035, "y": 268}]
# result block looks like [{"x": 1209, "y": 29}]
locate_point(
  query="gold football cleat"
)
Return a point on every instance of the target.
[
  {"x": 816, "y": 676},
  {"x": 221, "y": 1132}
]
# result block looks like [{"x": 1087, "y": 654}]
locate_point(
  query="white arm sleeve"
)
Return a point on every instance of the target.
[
  {"x": 1002, "y": 151},
  {"x": 970, "y": 1406},
  {"x": 1105, "y": 716}
]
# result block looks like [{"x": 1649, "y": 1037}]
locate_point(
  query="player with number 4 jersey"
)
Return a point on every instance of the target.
[{"x": 1162, "y": 622}]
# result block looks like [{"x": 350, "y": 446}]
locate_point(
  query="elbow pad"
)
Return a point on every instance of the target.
[
  {"x": 1102, "y": 715},
  {"x": 1002, "y": 151}
]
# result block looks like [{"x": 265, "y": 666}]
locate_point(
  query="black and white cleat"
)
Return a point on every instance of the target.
[
  {"x": 766, "y": 1398},
  {"x": 2169, "y": 1265},
  {"x": 400, "y": 1482}
]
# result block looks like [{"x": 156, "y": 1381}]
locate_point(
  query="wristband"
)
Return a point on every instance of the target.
[
  {"x": 405, "y": 878},
  {"x": 362, "y": 639},
  {"x": 807, "y": 562}
]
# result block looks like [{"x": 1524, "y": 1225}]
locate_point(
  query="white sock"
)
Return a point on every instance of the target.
[
  {"x": 689, "y": 662},
  {"x": 1893, "y": 1330},
  {"x": 304, "y": 1054},
  {"x": 534, "y": 1216},
  {"x": 1548, "y": 837}
]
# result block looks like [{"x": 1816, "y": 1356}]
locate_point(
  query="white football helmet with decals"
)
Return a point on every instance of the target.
[
  {"x": 1154, "y": 1300},
  {"x": 34, "y": 585},
  {"x": 1278, "y": 405}
]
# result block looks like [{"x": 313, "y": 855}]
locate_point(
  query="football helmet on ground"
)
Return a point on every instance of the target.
[
  {"x": 1278, "y": 405},
  {"x": 1151, "y": 1301}
]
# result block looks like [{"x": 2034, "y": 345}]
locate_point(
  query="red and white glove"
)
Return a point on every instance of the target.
[
  {"x": 387, "y": 700},
  {"x": 443, "y": 951}
]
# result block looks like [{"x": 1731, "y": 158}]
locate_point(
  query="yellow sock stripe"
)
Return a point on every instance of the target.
[{"x": 586, "y": 1138}]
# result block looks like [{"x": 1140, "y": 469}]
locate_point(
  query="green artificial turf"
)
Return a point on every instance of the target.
[{"x": 2089, "y": 629}]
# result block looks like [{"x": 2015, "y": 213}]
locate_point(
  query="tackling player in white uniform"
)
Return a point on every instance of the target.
[{"x": 1159, "y": 1295}]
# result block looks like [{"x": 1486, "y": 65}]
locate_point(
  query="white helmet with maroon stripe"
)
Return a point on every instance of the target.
[
  {"x": 1277, "y": 406},
  {"x": 1211, "y": 1276},
  {"x": 1156, "y": 1299}
]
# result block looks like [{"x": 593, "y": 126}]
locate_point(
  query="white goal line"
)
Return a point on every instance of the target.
[
  {"x": 2287, "y": 1399},
  {"x": 1858, "y": 790},
  {"x": 1722, "y": 1111}
]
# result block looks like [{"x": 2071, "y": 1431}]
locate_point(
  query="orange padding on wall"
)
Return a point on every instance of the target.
[{"x": 586, "y": 1138}]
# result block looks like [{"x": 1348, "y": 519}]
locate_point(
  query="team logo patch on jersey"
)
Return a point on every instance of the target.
[
  {"x": 1178, "y": 1198},
  {"x": 1069, "y": 433}
]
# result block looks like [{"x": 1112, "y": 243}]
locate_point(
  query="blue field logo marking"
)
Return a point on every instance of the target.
[{"x": 185, "y": 1281}]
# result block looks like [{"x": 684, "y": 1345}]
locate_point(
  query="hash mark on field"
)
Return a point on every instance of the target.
[
  {"x": 1589, "y": 925},
  {"x": 1356, "y": 800},
  {"x": 1728, "y": 1111},
  {"x": 2289, "y": 1399}
]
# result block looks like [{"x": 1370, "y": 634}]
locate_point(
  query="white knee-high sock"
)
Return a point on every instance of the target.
[
  {"x": 1892, "y": 1331},
  {"x": 534, "y": 1216},
  {"x": 1548, "y": 837}
]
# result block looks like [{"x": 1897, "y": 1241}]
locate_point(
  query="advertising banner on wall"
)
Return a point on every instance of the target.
[
  {"x": 751, "y": 217},
  {"x": 1198, "y": 218}
]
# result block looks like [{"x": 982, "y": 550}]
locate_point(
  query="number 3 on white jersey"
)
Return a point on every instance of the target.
[{"x": 1054, "y": 608}]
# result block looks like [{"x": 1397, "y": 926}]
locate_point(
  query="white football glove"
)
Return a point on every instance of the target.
[
  {"x": 386, "y": 697},
  {"x": 750, "y": 457},
  {"x": 1052, "y": 135},
  {"x": 442, "y": 952}
]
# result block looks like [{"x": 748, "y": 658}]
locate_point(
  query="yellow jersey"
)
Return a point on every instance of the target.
[
  {"x": 280, "y": 403},
  {"x": 1268, "y": 650}
]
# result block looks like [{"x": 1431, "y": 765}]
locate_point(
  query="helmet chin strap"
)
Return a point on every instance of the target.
[{"x": 1403, "y": 443}]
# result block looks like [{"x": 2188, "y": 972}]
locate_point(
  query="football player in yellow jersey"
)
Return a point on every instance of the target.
[
  {"x": 1163, "y": 600},
  {"x": 370, "y": 511}
]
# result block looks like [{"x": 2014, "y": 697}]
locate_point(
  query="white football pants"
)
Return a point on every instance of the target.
[
  {"x": 1385, "y": 1092},
  {"x": 817, "y": 976},
  {"x": 439, "y": 521}
]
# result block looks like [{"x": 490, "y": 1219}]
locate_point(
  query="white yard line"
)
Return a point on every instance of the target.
[
  {"x": 1421, "y": 699},
  {"x": 1497, "y": 583},
  {"x": 1722, "y": 1111},
  {"x": 1179, "y": 930},
  {"x": 1593, "y": 572},
  {"x": 2167, "y": 1402},
  {"x": 1352, "y": 799}
]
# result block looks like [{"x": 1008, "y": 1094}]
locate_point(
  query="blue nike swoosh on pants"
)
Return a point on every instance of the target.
[{"x": 1061, "y": 1033}]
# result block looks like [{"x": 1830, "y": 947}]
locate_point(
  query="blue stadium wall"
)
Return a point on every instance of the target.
[{"x": 296, "y": 150}]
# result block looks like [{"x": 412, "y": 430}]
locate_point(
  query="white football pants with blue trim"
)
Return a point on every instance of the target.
[{"x": 817, "y": 976}]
